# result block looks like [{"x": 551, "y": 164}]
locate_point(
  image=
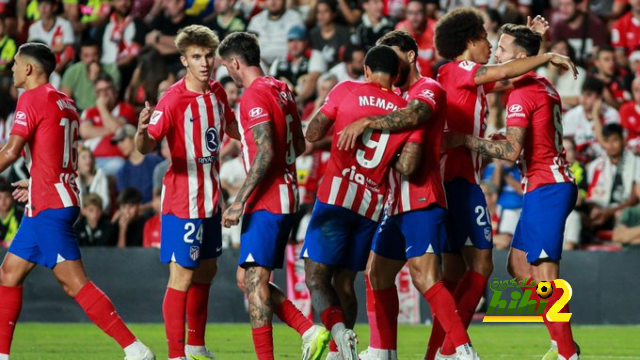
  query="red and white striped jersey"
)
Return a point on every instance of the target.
[
  {"x": 357, "y": 179},
  {"x": 270, "y": 100},
  {"x": 466, "y": 113},
  {"x": 424, "y": 187},
  {"x": 194, "y": 125},
  {"x": 535, "y": 105},
  {"x": 49, "y": 121}
]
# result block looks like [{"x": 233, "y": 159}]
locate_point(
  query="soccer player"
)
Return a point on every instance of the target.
[
  {"x": 46, "y": 128},
  {"x": 534, "y": 136},
  {"x": 413, "y": 229},
  {"x": 193, "y": 115},
  {"x": 271, "y": 140},
  {"x": 353, "y": 193}
]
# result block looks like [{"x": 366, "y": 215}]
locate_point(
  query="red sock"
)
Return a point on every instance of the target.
[
  {"x": 387, "y": 309},
  {"x": 174, "y": 309},
  {"x": 374, "y": 333},
  {"x": 333, "y": 347},
  {"x": 331, "y": 316},
  {"x": 263, "y": 342},
  {"x": 443, "y": 306},
  {"x": 290, "y": 314},
  {"x": 197, "y": 301},
  {"x": 10, "y": 307},
  {"x": 467, "y": 295},
  {"x": 101, "y": 311},
  {"x": 437, "y": 332}
]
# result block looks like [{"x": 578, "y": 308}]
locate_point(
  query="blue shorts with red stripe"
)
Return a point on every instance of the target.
[
  {"x": 540, "y": 230},
  {"x": 188, "y": 241}
]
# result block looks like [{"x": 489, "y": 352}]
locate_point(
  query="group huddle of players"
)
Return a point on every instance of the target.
[{"x": 401, "y": 187}]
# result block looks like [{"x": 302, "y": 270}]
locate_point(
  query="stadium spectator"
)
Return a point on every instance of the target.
[
  {"x": 573, "y": 226},
  {"x": 505, "y": 175},
  {"x": 584, "y": 31},
  {"x": 612, "y": 179},
  {"x": 10, "y": 216},
  {"x": 617, "y": 79},
  {"x": 161, "y": 169},
  {"x": 627, "y": 229},
  {"x": 99, "y": 124},
  {"x": 272, "y": 26},
  {"x": 232, "y": 90},
  {"x": 92, "y": 180},
  {"x": 149, "y": 74},
  {"x": 562, "y": 79},
  {"x": 326, "y": 82},
  {"x": 373, "y": 24},
  {"x": 7, "y": 47},
  {"x": 580, "y": 122},
  {"x": 93, "y": 227},
  {"x": 151, "y": 232},
  {"x": 630, "y": 117},
  {"x": 353, "y": 66},
  {"x": 225, "y": 19},
  {"x": 54, "y": 31},
  {"x": 625, "y": 35},
  {"x": 79, "y": 79},
  {"x": 301, "y": 67},
  {"x": 422, "y": 30},
  {"x": 85, "y": 15},
  {"x": 164, "y": 27},
  {"x": 137, "y": 171},
  {"x": 328, "y": 36},
  {"x": 128, "y": 224}
]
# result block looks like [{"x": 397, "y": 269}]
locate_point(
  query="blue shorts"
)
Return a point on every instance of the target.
[
  {"x": 339, "y": 237},
  {"x": 187, "y": 241},
  {"x": 411, "y": 234},
  {"x": 48, "y": 238},
  {"x": 468, "y": 220},
  {"x": 264, "y": 239},
  {"x": 540, "y": 230}
]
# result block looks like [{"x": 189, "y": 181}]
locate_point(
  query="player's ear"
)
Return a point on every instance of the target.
[
  {"x": 411, "y": 55},
  {"x": 367, "y": 72},
  {"x": 183, "y": 60}
]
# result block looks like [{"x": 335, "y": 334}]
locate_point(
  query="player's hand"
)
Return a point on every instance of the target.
[
  {"x": 21, "y": 193},
  {"x": 538, "y": 24},
  {"x": 564, "y": 62},
  {"x": 231, "y": 217},
  {"x": 348, "y": 137},
  {"x": 145, "y": 117},
  {"x": 497, "y": 136},
  {"x": 452, "y": 139}
]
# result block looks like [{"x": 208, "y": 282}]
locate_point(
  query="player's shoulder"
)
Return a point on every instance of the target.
[
  {"x": 427, "y": 88},
  {"x": 454, "y": 67}
]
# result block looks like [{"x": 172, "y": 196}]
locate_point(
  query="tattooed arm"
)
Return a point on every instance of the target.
[
  {"x": 507, "y": 149},
  {"x": 318, "y": 127},
  {"x": 263, "y": 137},
  {"x": 300, "y": 145},
  {"x": 518, "y": 67},
  {"x": 409, "y": 158},
  {"x": 416, "y": 112}
]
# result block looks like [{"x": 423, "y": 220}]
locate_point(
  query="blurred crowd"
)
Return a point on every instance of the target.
[{"x": 112, "y": 56}]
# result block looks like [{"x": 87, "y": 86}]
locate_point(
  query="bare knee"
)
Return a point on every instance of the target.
[
  {"x": 482, "y": 263},
  {"x": 317, "y": 276},
  {"x": 205, "y": 273},
  {"x": 180, "y": 278}
]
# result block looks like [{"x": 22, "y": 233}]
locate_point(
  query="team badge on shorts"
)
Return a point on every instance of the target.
[
  {"x": 487, "y": 233},
  {"x": 194, "y": 253}
]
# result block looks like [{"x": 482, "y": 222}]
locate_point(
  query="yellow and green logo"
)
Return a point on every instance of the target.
[{"x": 521, "y": 308}]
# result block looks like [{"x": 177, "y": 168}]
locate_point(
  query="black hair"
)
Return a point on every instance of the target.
[
  {"x": 605, "y": 48},
  {"x": 350, "y": 49},
  {"x": 129, "y": 196},
  {"x": 87, "y": 42},
  {"x": 40, "y": 53},
  {"x": 243, "y": 45},
  {"x": 226, "y": 80},
  {"x": 525, "y": 38},
  {"x": 402, "y": 39},
  {"x": 593, "y": 85},
  {"x": 382, "y": 58},
  {"x": 455, "y": 29},
  {"x": 6, "y": 188},
  {"x": 103, "y": 76},
  {"x": 571, "y": 51},
  {"x": 494, "y": 16},
  {"x": 612, "y": 129},
  {"x": 332, "y": 4}
]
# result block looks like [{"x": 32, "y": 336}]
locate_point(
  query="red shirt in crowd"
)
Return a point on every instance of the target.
[{"x": 102, "y": 146}]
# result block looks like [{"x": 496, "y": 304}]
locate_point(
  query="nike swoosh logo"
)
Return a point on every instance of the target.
[
  {"x": 218, "y": 248},
  {"x": 407, "y": 249},
  {"x": 194, "y": 119}
]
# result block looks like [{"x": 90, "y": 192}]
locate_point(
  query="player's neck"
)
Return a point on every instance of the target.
[
  {"x": 251, "y": 73},
  {"x": 36, "y": 81},
  {"x": 383, "y": 80},
  {"x": 414, "y": 77},
  {"x": 194, "y": 85}
]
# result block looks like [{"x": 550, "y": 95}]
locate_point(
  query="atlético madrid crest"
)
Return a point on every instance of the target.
[{"x": 194, "y": 253}]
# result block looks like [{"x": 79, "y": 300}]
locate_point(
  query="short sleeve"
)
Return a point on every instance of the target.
[
  {"x": 24, "y": 119},
  {"x": 254, "y": 109},
  {"x": 333, "y": 100},
  {"x": 518, "y": 114},
  {"x": 465, "y": 73},
  {"x": 433, "y": 96},
  {"x": 160, "y": 121},
  {"x": 68, "y": 35}
]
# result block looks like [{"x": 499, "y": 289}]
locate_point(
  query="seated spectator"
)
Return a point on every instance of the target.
[
  {"x": 10, "y": 217},
  {"x": 164, "y": 27},
  {"x": 99, "y": 124},
  {"x": 422, "y": 29},
  {"x": 612, "y": 179},
  {"x": 233, "y": 92},
  {"x": 505, "y": 175},
  {"x": 329, "y": 37},
  {"x": 152, "y": 230},
  {"x": 54, "y": 31},
  {"x": 584, "y": 31},
  {"x": 627, "y": 230},
  {"x": 353, "y": 66},
  {"x": 326, "y": 83},
  {"x": 150, "y": 72},
  {"x": 580, "y": 122},
  {"x": 300, "y": 61},
  {"x": 93, "y": 227},
  {"x": 92, "y": 180},
  {"x": 373, "y": 24},
  {"x": 225, "y": 19},
  {"x": 272, "y": 26},
  {"x": 7, "y": 48},
  {"x": 86, "y": 14},
  {"x": 79, "y": 80},
  {"x": 573, "y": 225},
  {"x": 128, "y": 224},
  {"x": 617, "y": 80},
  {"x": 137, "y": 171},
  {"x": 630, "y": 117},
  {"x": 568, "y": 88},
  {"x": 625, "y": 35}
]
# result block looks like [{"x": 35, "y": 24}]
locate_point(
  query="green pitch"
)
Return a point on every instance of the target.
[{"x": 233, "y": 342}]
